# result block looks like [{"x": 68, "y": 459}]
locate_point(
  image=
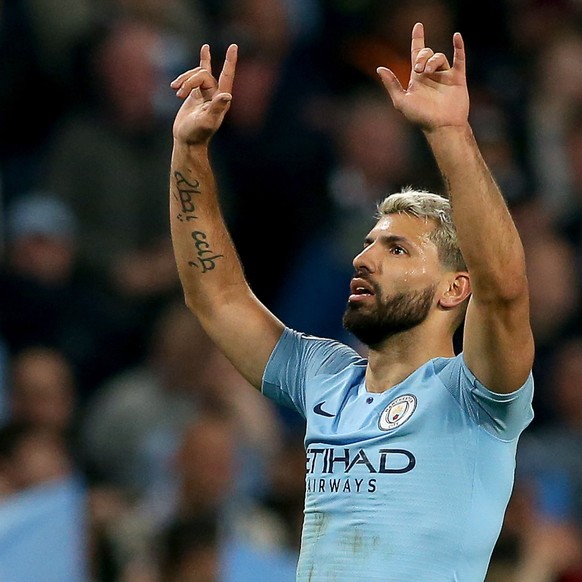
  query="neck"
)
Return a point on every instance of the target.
[{"x": 400, "y": 355}]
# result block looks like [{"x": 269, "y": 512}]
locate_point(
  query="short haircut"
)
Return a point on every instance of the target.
[{"x": 428, "y": 206}]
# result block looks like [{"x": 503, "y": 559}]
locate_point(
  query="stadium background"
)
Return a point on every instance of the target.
[{"x": 130, "y": 450}]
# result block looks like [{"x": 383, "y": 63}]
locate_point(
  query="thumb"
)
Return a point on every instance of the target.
[
  {"x": 220, "y": 104},
  {"x": 391, "y": 83}
]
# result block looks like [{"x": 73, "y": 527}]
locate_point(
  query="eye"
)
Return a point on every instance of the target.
[{"x": 398, "y": 250}]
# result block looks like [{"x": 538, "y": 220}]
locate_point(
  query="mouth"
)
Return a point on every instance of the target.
[{"x": 360, "y": 290}]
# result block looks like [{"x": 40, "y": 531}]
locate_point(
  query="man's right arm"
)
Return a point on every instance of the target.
[{"x": 211, "y": 274}]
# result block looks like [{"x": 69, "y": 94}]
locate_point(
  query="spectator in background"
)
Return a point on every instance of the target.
[
  {"x": 4, "y": 382},
  {"x": 499, "y": 145},
  {"x": 60, "y": 28},
  {"x": 555, "y": 92},
  {"x": 541, "y": 540},
  {"x": 552, "y": 258},
  {"x": 570, "y": 221},
  {"x": 534, "y": 547},
  {"x": 41, "y": 232},
  {"x": 238, "y": 543},
  {"x": 42, "y": 507},
  {"x": 542, "y": 536},
  {"x": 189, "y": 550},
  {"x": 114, "y": 186},
  {"x": 136, "y": 423},
  {"x": 284, "y": 497},
  {"x": 31, "y": 455},
  {"x": 277, "y": 123},
  {"x": 38, "y": 40},
  {"x": 192, "y": 550},
  {"x": 207, "y": 469},
  {"x": 555, "y": 450},
  {"x": 555, "y": 308},
  {"x": 185, "y": 21},
  {"x": 50, "y": 299},
  {"x": 43, "y": 391}
]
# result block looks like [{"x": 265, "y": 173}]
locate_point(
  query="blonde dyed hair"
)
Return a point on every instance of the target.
[{"x": 428, "y": 206}]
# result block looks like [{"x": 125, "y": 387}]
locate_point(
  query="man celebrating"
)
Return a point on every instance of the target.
[{"x": 410, "y": 451}]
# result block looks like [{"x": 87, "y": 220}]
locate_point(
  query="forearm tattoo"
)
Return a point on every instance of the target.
[
  {"x": 186, "y": 191},
  {"x": 205, "y": 257},
  {"x": 202, "y": 250}
]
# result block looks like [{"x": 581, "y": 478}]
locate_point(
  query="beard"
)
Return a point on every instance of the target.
[{"x": 389, "y": 316}]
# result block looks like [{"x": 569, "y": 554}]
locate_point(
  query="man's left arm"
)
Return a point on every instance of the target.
[{"x": 498, "y": 343}]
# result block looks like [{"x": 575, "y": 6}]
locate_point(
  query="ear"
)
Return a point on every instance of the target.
[{"x": 458, "y": 290}]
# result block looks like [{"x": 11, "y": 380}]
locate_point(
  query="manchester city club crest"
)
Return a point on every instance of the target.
[{"x": 397, "y": 412}]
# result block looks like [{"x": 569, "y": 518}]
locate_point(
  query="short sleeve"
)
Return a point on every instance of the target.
[
  {"x": 297, "y": 359},
  {"x": 505, "y": 416}
]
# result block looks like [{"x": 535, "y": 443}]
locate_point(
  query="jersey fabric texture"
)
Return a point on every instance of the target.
[{"x": 410, "y": 485}]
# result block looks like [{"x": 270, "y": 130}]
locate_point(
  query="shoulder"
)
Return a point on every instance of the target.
[
  {"x": 317, "y": 351},
  {"x": 454, "y": 371},
  {"x": 504, "y": 415}
]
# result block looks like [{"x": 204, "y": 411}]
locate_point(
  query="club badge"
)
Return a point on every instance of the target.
[{"x": 397, "y": 412}]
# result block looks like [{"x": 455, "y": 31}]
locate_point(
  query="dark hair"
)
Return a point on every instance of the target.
[{"x": 183, "y": 536}]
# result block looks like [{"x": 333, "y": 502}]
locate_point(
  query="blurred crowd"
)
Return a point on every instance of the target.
[{"x": 114, "y": 403}]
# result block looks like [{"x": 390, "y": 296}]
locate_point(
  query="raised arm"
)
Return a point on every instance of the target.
[
  {"x": 212, "y": 277},
  {"x": 498, "y": 344}
]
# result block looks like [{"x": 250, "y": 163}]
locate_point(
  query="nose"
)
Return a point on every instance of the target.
[{"x": 364, "y": 261}]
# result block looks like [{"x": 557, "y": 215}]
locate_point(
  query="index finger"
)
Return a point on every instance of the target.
[
  {"x": 417, "y": 43},
  {"x": 205, "y": 62},
  {"x": 226, "y": 78},
  {"x": 459, "y": 52}
]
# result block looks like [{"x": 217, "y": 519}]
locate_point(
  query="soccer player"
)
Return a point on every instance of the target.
[{"x": 411, "y": 450}]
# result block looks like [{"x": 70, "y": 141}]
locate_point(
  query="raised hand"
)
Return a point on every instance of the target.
[
  {"x": 437, "y": 94},
  {"x": 206, "y": 100}
]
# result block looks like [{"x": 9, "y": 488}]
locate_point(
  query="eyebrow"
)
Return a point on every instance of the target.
[{"x": 389, "y": 239}]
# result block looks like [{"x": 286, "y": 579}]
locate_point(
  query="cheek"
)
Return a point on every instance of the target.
[{"x": 414, "y": 278}]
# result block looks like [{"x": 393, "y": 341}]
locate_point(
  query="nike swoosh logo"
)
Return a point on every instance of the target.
[{"x": 318, "y": 410}]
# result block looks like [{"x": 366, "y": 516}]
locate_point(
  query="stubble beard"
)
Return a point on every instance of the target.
[{"x": 373, "y": 325}]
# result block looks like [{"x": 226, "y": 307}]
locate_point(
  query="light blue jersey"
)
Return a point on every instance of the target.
[{"x": 410, "y": 485}]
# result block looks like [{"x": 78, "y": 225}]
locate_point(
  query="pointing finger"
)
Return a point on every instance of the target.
[
  {"x": 459, "y": 62},
  {"x": 226, "y": 79},
  {"x": 205, "y": 58},
  {"x": 417, "y": 43}
]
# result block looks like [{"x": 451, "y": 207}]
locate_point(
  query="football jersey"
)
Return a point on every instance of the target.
[{"x": 408, "y": 485}]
